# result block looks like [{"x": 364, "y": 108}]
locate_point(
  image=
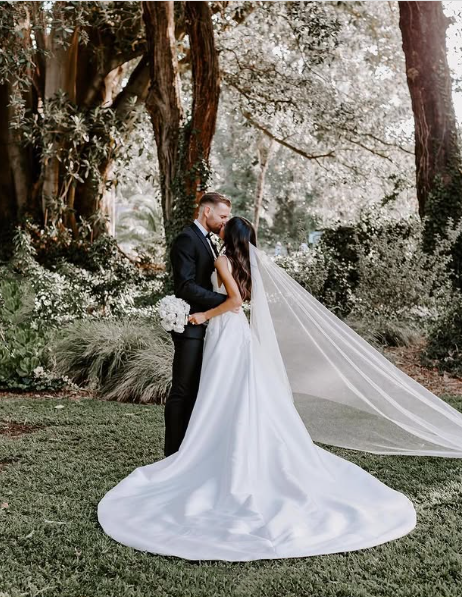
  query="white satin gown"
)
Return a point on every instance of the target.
[{"x": 248, "y": 483}]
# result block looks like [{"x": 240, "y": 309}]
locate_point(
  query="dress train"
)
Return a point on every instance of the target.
[{"x": 248, "y": 483}]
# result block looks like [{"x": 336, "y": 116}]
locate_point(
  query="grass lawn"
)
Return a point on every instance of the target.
[{"x": 52, "y": 478}]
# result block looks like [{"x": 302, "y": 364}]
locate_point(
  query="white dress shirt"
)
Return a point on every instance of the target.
[{"x": 204, "y": 232}]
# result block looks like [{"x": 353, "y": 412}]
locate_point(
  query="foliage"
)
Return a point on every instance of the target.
[
  {"x": 23, "y": 26},
  {"x": 444, "y": 347},
  {"x": 24, "y": 342},
  {"x": 127, "y": 360},
  {"x": 64, "y": 67},
  {"x": 140, "y": 227},
  {"x": 16, "y": 63},
  {"x": 344, "y": 143},
  {"x": 81, "y": 139},
  {"x": 99, "y": 267},
  {"x": 398, "y": 282},
  {"x": 39, "y": 301},
  {"x": 293, "y": 220},
  {"x": 101, "y": 272},
  {"x": 184, "y": 187},
  {"x": 376, "y": 273},
  {"x": 443, "y": 211}
]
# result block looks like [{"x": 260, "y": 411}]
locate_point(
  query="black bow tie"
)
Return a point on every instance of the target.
[{"x": 214, "y": 249}]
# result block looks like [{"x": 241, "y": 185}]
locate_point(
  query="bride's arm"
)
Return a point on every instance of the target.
[{"x": 234, "y": 299}]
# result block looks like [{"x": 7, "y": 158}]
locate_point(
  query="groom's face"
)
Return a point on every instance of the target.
[{"x": 216, "y": 216}]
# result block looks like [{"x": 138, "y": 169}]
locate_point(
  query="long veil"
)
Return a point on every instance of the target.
[{"x": 346, "y": 392}]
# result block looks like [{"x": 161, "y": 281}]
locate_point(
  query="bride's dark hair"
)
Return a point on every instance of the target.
[{"x": 238, "y": 233}]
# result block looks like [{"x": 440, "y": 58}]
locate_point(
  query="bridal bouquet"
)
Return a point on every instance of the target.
[{"x": 173, "y": 313}]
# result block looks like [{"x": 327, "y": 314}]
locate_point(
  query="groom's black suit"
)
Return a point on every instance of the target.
[{"x": 192, "y": 263}]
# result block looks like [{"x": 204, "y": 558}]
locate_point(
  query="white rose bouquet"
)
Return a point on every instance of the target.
[{"x": 173, "y": 313}]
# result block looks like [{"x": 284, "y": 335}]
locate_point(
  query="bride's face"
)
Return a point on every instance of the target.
[{"x": 221, "y": 234}]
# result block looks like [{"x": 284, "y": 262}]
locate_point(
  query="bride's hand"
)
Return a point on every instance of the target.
[{"x": 197, "y": 318}]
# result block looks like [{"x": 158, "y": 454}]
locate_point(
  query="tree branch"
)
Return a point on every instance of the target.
[
  {"x": 283, "y": 142},
  {"x": 368, "y": 135},
  {"x": 110, "y": 63},
  {"x": 137, "y": 87}
]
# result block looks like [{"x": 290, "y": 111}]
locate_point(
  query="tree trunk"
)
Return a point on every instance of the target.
[
  {"x": 91, "y": 199},
  {"x": 8, "y": 199},
  {"x": 61, "y": 73},
  {"x": 88, "y": 74},
  {"x": 437, "y": 150},
  {"x": 163, "y": 101},
  {"x": 206, "y": 91},
  {"x": 183, "y": 149},
  {"x": 16, "y": 173},
  {"x": 265, "y": 148}
]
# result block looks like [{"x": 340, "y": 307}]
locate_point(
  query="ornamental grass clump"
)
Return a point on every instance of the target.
[{"x": 126, "y": 360}]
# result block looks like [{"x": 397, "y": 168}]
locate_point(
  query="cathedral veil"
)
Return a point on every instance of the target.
[{"x": 346, "y": 392}]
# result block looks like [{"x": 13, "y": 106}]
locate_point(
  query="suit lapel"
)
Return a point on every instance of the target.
[{"x": 203, "y": 240}]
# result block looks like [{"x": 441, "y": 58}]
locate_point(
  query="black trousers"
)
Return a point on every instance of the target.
[{"x": 187, "y": 363}]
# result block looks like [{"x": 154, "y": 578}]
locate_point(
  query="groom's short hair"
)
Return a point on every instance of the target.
[{"x": 213, "y": 198}]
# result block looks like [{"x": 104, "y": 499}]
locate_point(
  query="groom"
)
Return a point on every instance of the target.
[{"x": 192, "y": 256}]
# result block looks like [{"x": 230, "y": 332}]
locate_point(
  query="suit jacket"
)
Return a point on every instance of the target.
[{"x": 193, "y": 263}]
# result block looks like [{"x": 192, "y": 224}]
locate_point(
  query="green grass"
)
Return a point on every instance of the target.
[{"x": 60, "y": 472}]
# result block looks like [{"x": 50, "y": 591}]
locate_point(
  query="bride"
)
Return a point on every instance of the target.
[{"x": 248, "y": 482}]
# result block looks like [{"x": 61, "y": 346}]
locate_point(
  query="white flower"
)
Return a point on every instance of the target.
[{"x": 39, "y": 371}]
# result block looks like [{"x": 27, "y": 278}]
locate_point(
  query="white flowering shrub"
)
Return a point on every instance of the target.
[
  {"x": 327, "y": 277},
  {"x": 47, "y": 379},
  {"x": 24, "y": 341},
  {"x": 401, "y": 290},
  {"x": 60, "y": 299},
  {"x": 36, "y": 302},
  {"x": 375, "y": 275}
]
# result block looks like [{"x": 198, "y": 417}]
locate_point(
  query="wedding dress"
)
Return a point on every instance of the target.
[{"x": 248, "y": 482}]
